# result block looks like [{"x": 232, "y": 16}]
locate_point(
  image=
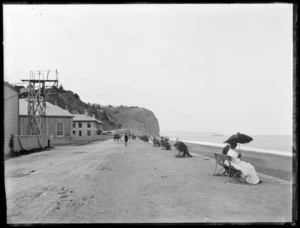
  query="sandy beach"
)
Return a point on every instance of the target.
[{"x": 106, "y": 182}]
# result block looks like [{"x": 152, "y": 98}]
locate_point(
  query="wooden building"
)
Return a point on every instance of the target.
[
  {"x": 11, "y": 114},
  {"x": 11, "y": 110},
  {"x": 58, "y": 122}
]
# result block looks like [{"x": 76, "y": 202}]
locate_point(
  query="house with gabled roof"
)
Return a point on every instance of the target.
[
  {"x": 58, "y": 122},
  {"x": 86, "y": 127}
]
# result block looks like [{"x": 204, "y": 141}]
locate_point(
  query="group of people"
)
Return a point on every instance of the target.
[
  {"x": 182, "y": 148},
  {"x": 164, "y": 142},
  {"x": 248, "y": 170},
  {"x": 118, "y": 136}
]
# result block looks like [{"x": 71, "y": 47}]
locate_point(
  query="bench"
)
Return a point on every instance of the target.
[{"x": 226, "y": 169}]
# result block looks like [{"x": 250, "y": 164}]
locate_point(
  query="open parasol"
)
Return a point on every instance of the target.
[{"x": 239, "y": 138}]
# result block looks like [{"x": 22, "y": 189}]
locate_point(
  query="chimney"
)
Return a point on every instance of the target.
[
  {"x": 86, "y": 112},
  {"x": 94, "y": 116},
  {"x": 67, "y": 107},
  {"x": 55, "y": 103}
]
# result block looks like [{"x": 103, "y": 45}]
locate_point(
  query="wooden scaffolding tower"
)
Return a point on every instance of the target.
[{"x": 40, "y": 85}]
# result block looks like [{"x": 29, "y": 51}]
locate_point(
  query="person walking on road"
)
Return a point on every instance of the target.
[{"x": 126, "y": 139}]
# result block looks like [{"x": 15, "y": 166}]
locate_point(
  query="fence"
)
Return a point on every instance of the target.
[{"x": 28, "y": 142}]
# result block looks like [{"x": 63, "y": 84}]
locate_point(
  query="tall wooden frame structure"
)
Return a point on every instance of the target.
[{"x": 40, "y": 85}]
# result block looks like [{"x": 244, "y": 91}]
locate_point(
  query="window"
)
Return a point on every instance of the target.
[
  {"x": 80, "y": 125},
  {"x": 60, "y": 129},
  {"x": 89, "y": 125},
  {"x": 74, "y": 132},
  {"x": 74, "y": 125},
  {"x": 89, "y": 133},
  {"x": 79, "y": 133}
]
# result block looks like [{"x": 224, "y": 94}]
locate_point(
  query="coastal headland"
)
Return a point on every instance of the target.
[{"x": 107, "y": 182}]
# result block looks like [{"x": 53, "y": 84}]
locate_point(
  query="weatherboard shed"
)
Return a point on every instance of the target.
[{"x": 58, "y": 122}]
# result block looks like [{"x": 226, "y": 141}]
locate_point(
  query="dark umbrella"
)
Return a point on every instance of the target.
[{"x": 239, "y": 138}]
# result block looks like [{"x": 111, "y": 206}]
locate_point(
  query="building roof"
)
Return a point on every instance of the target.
[
  {"x": 10, "y": 86},
  {"x": 51, "y": 110},
  {"x": 83, "y": 117}
]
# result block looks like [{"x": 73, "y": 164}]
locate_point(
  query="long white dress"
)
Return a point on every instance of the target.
[{"x": 247, "y": 169}]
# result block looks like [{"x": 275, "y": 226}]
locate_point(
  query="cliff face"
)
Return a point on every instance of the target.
[{"x": 140, "y": 121}]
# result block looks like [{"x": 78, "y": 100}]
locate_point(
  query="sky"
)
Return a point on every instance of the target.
[{"x": 222, "y": 68}]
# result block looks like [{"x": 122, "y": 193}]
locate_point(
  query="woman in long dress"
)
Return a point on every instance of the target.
[{"x": 248, "y": 170}]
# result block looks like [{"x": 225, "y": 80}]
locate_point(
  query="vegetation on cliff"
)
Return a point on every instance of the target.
[{"x": 138, "y": 120}]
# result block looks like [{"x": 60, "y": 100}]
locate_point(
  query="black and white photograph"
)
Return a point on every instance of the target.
[{"x": 140, "y": 113}]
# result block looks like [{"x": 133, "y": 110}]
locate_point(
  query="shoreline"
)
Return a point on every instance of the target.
[
  {"x": 243, "y": 148},
  {"x": 268, "y": 164}
]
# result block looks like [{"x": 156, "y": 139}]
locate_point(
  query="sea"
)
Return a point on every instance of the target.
[{"x": 271, "y": 144}]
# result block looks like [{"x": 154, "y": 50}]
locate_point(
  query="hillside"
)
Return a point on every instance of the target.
[
  {"x": 67, "y": 99},
  {"x": 139, "y": 120},
  {"x": 71, "y": 101}
]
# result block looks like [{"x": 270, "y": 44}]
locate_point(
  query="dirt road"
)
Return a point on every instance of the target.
[{"x": 106, "y": 182}]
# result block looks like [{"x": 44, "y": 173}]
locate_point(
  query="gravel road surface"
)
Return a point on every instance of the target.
[{"x": 106, "y": 182}]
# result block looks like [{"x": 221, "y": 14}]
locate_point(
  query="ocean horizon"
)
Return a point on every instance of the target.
[{"x": 273, "y": 144}]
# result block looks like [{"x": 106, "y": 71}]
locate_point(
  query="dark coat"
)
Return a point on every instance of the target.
[
  {"x": 226, "y": 149},
  {"x": 11, "y": 143}
]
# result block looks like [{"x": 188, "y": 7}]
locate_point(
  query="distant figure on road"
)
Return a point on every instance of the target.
[
  {"x": 11, "y": 145},
  {"x": 126, "y": 139}
]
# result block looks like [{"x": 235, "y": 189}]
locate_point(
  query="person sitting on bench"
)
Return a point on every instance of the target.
[{"x": 248, "y": 170}]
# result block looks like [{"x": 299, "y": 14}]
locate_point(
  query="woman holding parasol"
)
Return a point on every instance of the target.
[{"x": 248, "y": 170}]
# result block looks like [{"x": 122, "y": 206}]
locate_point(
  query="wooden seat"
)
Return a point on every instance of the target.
[{"x": 226, "y": 169}]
